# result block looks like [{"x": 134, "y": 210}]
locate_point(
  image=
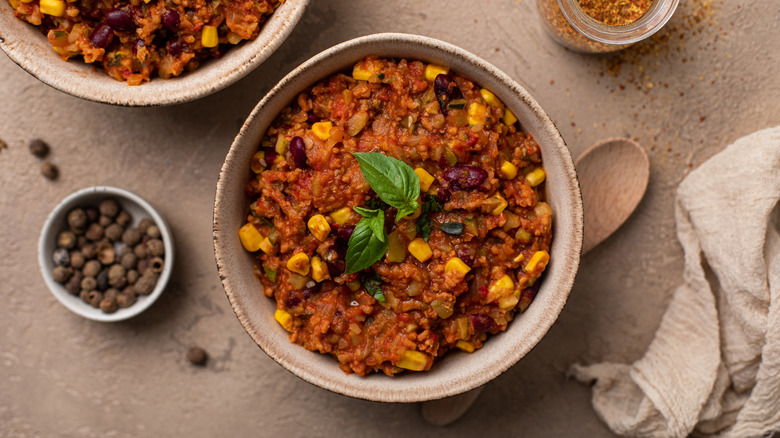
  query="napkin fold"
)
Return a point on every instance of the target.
[{"x": 713, "y": 367}]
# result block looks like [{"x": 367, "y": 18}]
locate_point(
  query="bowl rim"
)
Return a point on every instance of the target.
[
  {"x": 424, "y": 389},
  {"x": 77, "y": 78},
  {"x": 49, "y": 234}
]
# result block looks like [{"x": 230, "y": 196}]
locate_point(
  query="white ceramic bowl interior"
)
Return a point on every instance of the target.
[
  {"x": 28, "y": 47},
  {"x": 57, "y": 221},
  {"x": 458, "y": 372}
]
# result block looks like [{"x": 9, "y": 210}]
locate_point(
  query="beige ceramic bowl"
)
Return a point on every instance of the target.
[
  {"x": 458, "y": 372},
  {"x": 28, "y": 47}
]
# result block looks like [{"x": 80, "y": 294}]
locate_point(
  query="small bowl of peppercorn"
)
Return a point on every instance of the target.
[{"x": 105, "y": 253}]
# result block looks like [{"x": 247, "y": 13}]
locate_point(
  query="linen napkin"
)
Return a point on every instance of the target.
[{"x": 713, "y": 368}]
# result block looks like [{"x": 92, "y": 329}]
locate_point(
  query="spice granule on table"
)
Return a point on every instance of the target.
[{"x": 615, "y": 12}]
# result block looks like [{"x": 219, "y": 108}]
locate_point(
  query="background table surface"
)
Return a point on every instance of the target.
[{"x": 707, "y": 79}]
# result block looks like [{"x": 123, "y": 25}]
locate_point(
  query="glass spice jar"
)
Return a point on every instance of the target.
[{"x": 570, "y": 26}]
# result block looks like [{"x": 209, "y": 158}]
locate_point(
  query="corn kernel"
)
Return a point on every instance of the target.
[
  {"x": 468, "y": 347},
  {"x": 508, "y": 302},
  {"x": 519, "y": 258},
  {"x": 495, "y": 204},
  {"x": 523, "y": 236},
  {"x": 284, "y": 319},
  {"x": 413, "y": 360},
  {"x": 319, "y": 270},
  {"x": 267, "y": 246},
  {"x": 299, "y": 263},
  {"x": 432, "y": 70},
  {"x": 426, "y": 179},
  {"x": 250, "y": 237},
  {"x": 420, "y": 249},
  {"x": 508, "y": 170},
  {"x": 209, "y": 37},
  {"x": 232, "y": 37},
  {"x": 319, "y": 227},
  {"x": 535, "y": 177},
  {"x": 322, "y": 130},
  {"x": 509, "y": 118},
  {"x": 489, "y": 97},
  {"x": 456, "y": 264},
  {"x": 537, "y": 262},
  {"x": 258, "y": 159},
  {"x": 342, "y": 215},
  {"x": 477, "y": 113},
  {"x": 55, "y": 8},
  {"x": 361, "y": 74},
  {"x": 501, "y": 287}
]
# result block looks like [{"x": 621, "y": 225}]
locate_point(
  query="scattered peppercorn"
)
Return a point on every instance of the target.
[
  {"x": 39, "y": 148},
  {"x": 49, "y": 170},
  {"x": 197, "y": 356},
  {"x": 3, "y": 145}
]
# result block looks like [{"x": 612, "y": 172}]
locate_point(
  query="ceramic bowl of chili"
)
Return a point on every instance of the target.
[
  {"x": 458, "y": 372},
  {"x": 29, "y": 48}
]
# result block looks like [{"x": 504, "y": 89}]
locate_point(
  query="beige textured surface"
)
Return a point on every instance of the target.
[{"x": 62, "y": 375}]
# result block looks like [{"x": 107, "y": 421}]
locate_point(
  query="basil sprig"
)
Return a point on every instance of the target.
[
  {"x": 398, "y": 186},
  {"x": 424, "y": 223},
  {"x": 368, "y": 242},
  {"x": 392, "y": 180},
  {"x": 372, "y": 283}
]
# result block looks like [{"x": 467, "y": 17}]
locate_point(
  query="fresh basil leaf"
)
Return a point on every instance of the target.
[
  {"x": 376, "y": 221},
  {"x": 454, "y": 228},
  {"x": 377, "y": 204},
  {"x": 393, "y": 181},
  {"x": 372, "y": 284},
  {"x": 266, "y": 221},
  {"x": 364, "y": 247},
  {"x": 424, "y": 223}
]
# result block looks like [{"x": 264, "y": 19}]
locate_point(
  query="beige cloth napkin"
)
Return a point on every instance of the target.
[{"x": 713, "y": 368}]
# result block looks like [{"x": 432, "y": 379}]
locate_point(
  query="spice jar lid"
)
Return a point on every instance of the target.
[{"x": 138, "y": 209}]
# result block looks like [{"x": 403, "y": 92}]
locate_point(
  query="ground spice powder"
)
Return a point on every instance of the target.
[{"x": 615, "y": 12}]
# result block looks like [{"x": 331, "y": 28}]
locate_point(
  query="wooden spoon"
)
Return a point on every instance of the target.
[{"x": 613, "y": 176}]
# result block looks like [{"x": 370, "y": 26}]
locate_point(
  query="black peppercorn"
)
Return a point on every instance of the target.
[
  {"x": 39, "y": 148},
  {"x": 109, "y": 208},
  {"x": 92, "y": 213},
  {"x": 49, "y": 170},
  {"x": 77, "y": 220},
  {"x": 114, "y": 232},
  {"x": 66, "y": 239},
  {"x": 61, "y": 274},
  {"x": 108, "y": 305},
  {"x": 145, "y": 284},
  {"x": 94, "y": 232},
  {"x": 91, "y": 268},
  {"x": 131, "y": 236},
  {"x": 74, "y": 283},
  {"x": 77, "y": 259},
  {"x": 61, "y": 257},
  {"x": 89, "y": 250},
  {"x": 155, "y": 247},
  {"x": 123, "y": 218},
  {"x": 105, "y": 221},
  {"x": 197, "y": 356},
  {"x": 102, "y": 280}
]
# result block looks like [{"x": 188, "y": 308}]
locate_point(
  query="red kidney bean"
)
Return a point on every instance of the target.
[
  {"x": 102, "y": 36},
  {"x": 336, "y": 268},
  {"x": 176, "y": 47},
  {"x": 313, "y": 118},
  {"x": 443, "y": 195},
  {"x": 298, "y": 152},
  {"x": 343, "y": 234},
  {"x": 171, "y": 20},
  {"x": 482, "y": 323},
  {"x": 465, "y": 177},
  {"x": 310, "y": 291},
  {"x": 465, "y": 255},
  {"x": 446, "y": 91},
  {"x": 120, "y": 19},
  {"x": 270, "y": 156},
  {"x": 137, "y": 45},
  {"x": 292, "y": 299}
]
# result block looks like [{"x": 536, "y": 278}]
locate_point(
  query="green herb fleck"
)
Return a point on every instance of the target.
[
  {"x": 372, "y": 283},
  {"x": 381, "y": 76},
  {"x": 424, "y": 223},
  {"x": 59, "y": 34},
  {"x": 270, "y": 273},
  {"x": 454, "y": 228},
  {"x": 266, "y": 221},
  {"x": 393, "y": 181}
]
